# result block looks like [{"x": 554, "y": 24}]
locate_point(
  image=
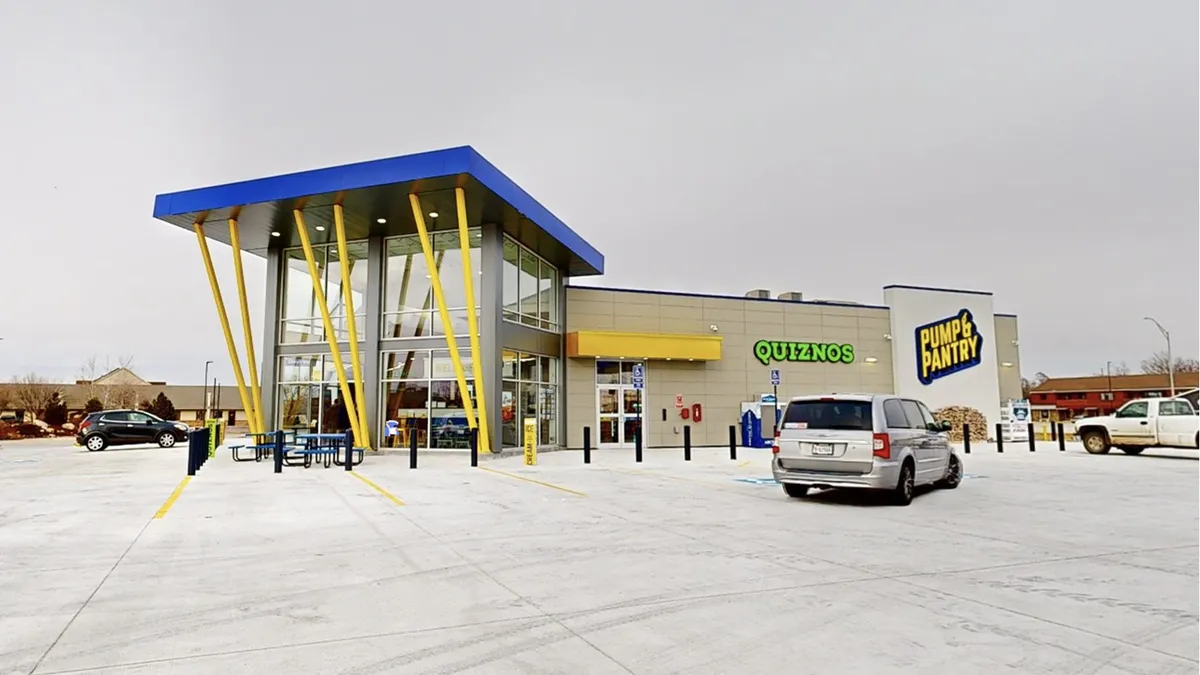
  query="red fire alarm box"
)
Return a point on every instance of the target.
[
  {"x": 695, "y": 412},
  {"x": 683, "y": 412}
]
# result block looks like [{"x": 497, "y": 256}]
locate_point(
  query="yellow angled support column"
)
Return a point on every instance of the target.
[
  {"x": 234, "y": 361},
  {"x": 360, "y": 399},
  {"x": 330, "y": 334},
  {"x": 436, "y": 281},
  {"x": 460, "y": 197},
  {"x": 256, "y": 418}
]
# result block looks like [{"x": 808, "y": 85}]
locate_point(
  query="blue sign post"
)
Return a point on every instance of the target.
[
  {"x": 639, "y": 383},
  {"x": 775, "y": 380}
]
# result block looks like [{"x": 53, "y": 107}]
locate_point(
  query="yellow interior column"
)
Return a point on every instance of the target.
[
  {"x": 460, "y": 197},
  {"x": 360, "y": 403},
  {"x": 330, "y": 334},
  {"x": 251, "y": 360},
  {"x": 234, "y": 361},
  {"x": 440, "y": 297}
]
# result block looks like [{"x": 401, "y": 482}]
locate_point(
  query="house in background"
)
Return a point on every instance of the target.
[
  {"x": 1066, "y": 398},
  {"x": 123, "y": 388}
]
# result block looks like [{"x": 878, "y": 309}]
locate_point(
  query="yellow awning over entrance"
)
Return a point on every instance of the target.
[{"x": 660, "y": 346}]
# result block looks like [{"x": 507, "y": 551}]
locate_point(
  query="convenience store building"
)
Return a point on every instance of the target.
[{"x": 398, "y": 297}]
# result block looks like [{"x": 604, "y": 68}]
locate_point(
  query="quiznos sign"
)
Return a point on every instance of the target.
[
  {"x": 767, "y": 351},
  {"x": 948, "y": 346}
]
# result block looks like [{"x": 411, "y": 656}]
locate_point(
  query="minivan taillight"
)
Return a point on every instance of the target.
[
  {"x": 881, "y": 446},
  {"x": 775, "y": 444}
]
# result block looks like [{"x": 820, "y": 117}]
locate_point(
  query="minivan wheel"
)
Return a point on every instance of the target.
[
  {"x": 166, "y": 440},
  {"x": 1096, "y": 443},
  {"x": 95, "y": 443},
  {"x": 902, "y": 494},
  {"x": 796, "y": 491},
  {"x": 953, "y": 474}
]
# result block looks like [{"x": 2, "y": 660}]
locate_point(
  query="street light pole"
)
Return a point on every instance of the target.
[
  {"x": 1108, "y": 369},
  {"x": 204, "y": 401},
  {"x": 1170, "y": 359}
]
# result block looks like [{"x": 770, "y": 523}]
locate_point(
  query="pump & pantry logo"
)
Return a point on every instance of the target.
[{"x": 948, "y": 346}]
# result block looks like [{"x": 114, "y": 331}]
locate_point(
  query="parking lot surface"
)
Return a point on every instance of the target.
[{"x": 1042, "y": 562}]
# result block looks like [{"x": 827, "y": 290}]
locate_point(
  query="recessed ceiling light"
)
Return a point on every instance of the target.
[
  {"x": 428, "y": 277},
  {"x": 274, "y": 234},
  {"x": 433, "y": 214},
  {"x": 871, "y": 359},
  {"x": 1007, "y": 364},
  {"x": 320, "y": 228},
  {"x": 381, "y": 220}
]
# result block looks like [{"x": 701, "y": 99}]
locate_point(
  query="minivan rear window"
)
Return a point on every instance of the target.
[{"x": 832, "y": 415}]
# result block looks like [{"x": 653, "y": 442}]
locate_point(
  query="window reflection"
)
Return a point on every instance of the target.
[
  {"x": 409, "y": 305},
  {"x": 300, "y": 315},
  {"x": 530, "y": 288},
  {"x": 528, "y": 393}
]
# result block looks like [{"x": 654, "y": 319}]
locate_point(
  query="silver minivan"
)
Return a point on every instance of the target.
[{"x": 873, "y": 441}]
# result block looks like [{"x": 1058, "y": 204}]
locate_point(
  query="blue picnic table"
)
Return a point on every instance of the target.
[
  {"x": 262, "y": 444},
  {"x": 326, "y": 448}
]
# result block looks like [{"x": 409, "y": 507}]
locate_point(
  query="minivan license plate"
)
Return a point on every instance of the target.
[{"x": 822, "y": 449}]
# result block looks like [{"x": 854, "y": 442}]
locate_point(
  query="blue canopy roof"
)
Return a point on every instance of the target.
[{"x": 374, "y": 196}]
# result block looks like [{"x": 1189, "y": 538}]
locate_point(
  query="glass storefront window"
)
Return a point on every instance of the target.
[
  {"x": 548, "y": 295},
  {"x": 508, "y": 415},
  {"x": 530, "y": 288},
  {"x": 608, "y": 372},
  {"x": 300, "y": 317},
  {"x": 409, "y": 305},
  {"x": 512, "y": 254},
  {"x": 310, "y": 396},
  {"x": 529, "y": 392},
  {"x": 420, "y": 395},
  {"x": 406, "y": 404}
]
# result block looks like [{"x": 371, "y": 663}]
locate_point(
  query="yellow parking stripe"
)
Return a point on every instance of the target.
[
  {"x": 171, "y": 500},
  {"x": 552, "y": 486},
  {"x": 389, "y": 496}
]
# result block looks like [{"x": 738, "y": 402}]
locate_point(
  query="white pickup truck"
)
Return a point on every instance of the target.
[{"x": 1140, "y": 424}]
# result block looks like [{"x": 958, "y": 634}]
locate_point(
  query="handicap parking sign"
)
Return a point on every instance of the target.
[
  {"x": 639, "y": 376},
  {"x": 775, "y": 378}
]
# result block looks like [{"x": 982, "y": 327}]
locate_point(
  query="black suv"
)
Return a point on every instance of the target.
[{"x": 126, "y": 427}]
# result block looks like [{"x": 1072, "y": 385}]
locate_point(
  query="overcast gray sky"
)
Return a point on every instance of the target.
[{"x": 1046, "y": 151}]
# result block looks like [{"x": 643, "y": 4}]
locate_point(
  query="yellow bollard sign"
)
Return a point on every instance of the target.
[{"x": 530, "y": 442}]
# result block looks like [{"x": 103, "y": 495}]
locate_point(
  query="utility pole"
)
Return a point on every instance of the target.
[
  {"x": 1108, "y": 369},
  {"x": 204, "y": 401},
  {"x": 1170, "y": 359}
]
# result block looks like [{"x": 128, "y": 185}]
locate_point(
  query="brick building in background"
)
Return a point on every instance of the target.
[{"x": 1066, "y": 398}]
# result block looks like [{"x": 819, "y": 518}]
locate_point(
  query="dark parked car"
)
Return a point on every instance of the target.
[{"x": 128, "y": 427}]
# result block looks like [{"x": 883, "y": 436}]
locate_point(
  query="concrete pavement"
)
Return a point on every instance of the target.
[{"x": 1039, "y": 563}]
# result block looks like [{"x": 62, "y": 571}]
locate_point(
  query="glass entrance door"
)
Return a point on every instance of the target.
[{"x": 618, "y": 405}]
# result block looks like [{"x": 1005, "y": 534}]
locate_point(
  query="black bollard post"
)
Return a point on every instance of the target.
[
  {"x": 1053, "y": 431},
  {"x": 687, "y": 442},
  {"x": 999, "y": 437},
  {"x": 349, "y": 441},
  {"x": 191, "y": 455},
  {"x": 1062, "y": 438},
  {"x": 1032, "y": 439},
  {"x": 412, "y": 448},
  {"x": 474, "y": 440},
  {"x": 733, "y": 442},
  {"x": 278, "y": 451},
  {"x": 637, "y": 444},
  {"x": 587, "y": 445},
  {"x": 966, "y": 438}
]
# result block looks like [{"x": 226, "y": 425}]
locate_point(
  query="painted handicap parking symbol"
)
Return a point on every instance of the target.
[{"x": 757, "y": 481}]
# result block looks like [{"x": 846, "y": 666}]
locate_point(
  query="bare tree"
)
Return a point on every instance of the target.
[
  {"x": 1115, "y": 369},
  {"x": 5, "y": 398},
  {"x": 1157, "y": 364},
  {"x": 32, "y": 393},
  {"x": 111, "y": 395},
  {"x": 1028, "y": 385}
]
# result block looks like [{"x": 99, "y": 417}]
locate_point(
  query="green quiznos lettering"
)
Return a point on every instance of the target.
[
  {"x": 805, "y": 351},
  {"x": 793, "y": 351},
  {"x": 762, "y": 352},
  {"x": 819, "y": 352},
  {"x": 779, "y": 351},
  {"x": 847, "y": 353},
  {"x": 834, "y": 353}
]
